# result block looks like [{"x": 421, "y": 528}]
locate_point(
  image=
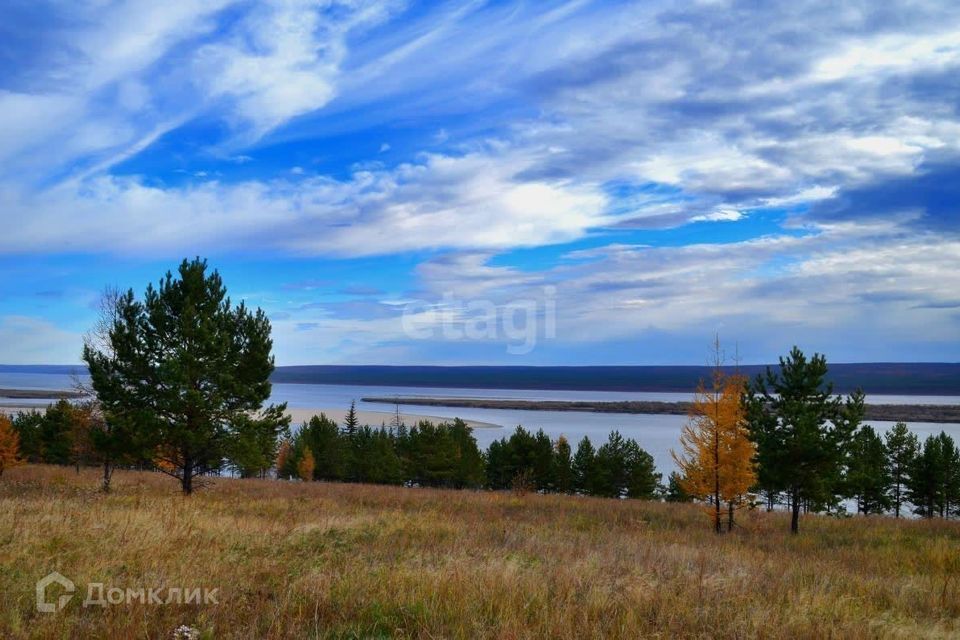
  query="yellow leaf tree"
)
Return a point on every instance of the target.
[
  {"x": 306, "y": 466},
  {"x": 284, "y": 455},
  {"x": 9, "y": 445},
  {"x": 716, "y": 461}
]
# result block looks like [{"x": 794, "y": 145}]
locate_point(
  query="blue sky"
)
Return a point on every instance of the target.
[{"x": 491, "y": 182}]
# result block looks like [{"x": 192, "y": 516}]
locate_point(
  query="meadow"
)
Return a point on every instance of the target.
[{"x": 331, "y": 560}]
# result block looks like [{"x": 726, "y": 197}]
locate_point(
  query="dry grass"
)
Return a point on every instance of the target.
[{"x": 327, "y": 560}]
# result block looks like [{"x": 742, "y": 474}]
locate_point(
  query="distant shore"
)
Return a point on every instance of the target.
[
  {"x": 299, "y": 415},
  {"x": 884, "y": 412},
  {"x": 39, "y": 394}
]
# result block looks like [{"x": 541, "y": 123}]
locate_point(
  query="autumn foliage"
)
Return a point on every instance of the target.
[
  {"x": 716, "y": 462},
  {"x": 306, "y": 466},
  {"x": 9, "y": 445}
]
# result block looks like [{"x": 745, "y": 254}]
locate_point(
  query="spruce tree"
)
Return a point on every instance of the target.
[{"x": 351, "y": 423}]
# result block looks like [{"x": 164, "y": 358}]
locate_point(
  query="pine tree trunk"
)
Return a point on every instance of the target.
[
  {"x": 795, "y": 517},
  {"x": 107, "y": 473},
  {"x": 187, "y": 480}
]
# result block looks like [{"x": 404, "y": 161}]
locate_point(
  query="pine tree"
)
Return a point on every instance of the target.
[
  {"x": 675, "y": 491},
  {"x": 584, "y": 465},
  {"x": 901, "y": 447},
  {"x": 56, "y": 431},
  {"x": 868, "y": 475},
  {"x": 9, "y": 445},
  {"x": 801, "y": 441},
  {"x": 933, "y": 486},
  {"x": 183, "y": 365},
  {"x": 643, "y": 481},
  {"x": 564, "y": 465}
]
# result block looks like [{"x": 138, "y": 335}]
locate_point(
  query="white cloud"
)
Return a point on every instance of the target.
[
  {"x": 29, "y": 340},
  {"x": 472, "y": 201}
]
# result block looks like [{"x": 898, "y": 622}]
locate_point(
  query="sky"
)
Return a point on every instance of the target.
[{"x": 469, "y": 182}]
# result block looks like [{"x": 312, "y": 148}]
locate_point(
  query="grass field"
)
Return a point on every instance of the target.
[{"x": 294, "y": 560}]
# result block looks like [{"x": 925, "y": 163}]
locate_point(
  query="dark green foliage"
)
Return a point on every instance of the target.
[
  {"x": 331, "y": 452},
  {"x": 802, "y": 432},
  {"x": 674, "y": 491},
  {"x": 524, "y": 456},
  {"x": 868, "y": 478},
  {"x": 47, "y": 437},
  {"x": 444, "y": 455},
  {"x": 583, "y": 467},
  {"x": 252, "y": 450},
  {"x": 563, "y": 466},
  {"x": 622, "y": 469},
  {"x": 351, "y": 423},
  {"x": 29, "y": 427},
  {"x": 933, "y": 486},
  {"x": 901, "y": 447},
  {"x": 184, "y": 365}
]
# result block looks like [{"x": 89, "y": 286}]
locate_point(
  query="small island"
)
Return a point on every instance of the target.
[{"x": 885, "y": 412}]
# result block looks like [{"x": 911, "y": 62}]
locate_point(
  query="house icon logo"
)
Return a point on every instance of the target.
[{"x": 43, "y": 606}]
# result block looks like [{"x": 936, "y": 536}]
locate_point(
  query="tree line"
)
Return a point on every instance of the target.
[
  {"x": 181, "y": 377},
  {"x": 785, "y": 438},
  {"x": 447, "y": 455}
]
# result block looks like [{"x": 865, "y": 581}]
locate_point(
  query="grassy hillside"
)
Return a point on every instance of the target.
[{"x": 326, "y": 560}]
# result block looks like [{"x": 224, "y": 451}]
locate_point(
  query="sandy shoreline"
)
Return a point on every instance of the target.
[
  {"x": 299, "y": 415},
  {"x": 376, "y": 418}
]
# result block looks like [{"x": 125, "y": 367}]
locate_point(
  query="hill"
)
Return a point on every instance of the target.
[
  {"x": 892, "y": 378},
  {"x": 874, "y": 378},
  {"x": 293, "y": 560}
]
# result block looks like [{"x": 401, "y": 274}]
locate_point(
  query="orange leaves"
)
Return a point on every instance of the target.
[
  {"x": 284, "y": 454},
  {"x": 9, "y": 445},
  {"x": 716, "y": 461},
  {"x": 306, "y": 466}
]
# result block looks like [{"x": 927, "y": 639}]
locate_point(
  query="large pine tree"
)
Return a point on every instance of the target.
[
  {"x": 802, "y": 432},
  {"x": 185, "y": 365}
]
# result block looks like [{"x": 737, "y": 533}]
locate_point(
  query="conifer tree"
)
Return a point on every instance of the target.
[
  {"x": 351, "y": 422},
  {"x": 868, "y": 474},
  {"x": 933, "y": 486},
  {"x": 563, "y": 465},
  {"x": 901, "y": 447},
  {"x": 801, "y": 441},
  {"x": 675, "y": 491},
  {"x": 716, "y": 459},
  {"x": 584, "y": 465},
  {"x": 183, "y": 365}
]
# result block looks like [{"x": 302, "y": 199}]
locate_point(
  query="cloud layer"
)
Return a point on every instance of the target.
[{"x": 468, "y": 133}]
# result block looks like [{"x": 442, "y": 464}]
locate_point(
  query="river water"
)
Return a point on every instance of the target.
[{"x": 658, "y": 434}]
